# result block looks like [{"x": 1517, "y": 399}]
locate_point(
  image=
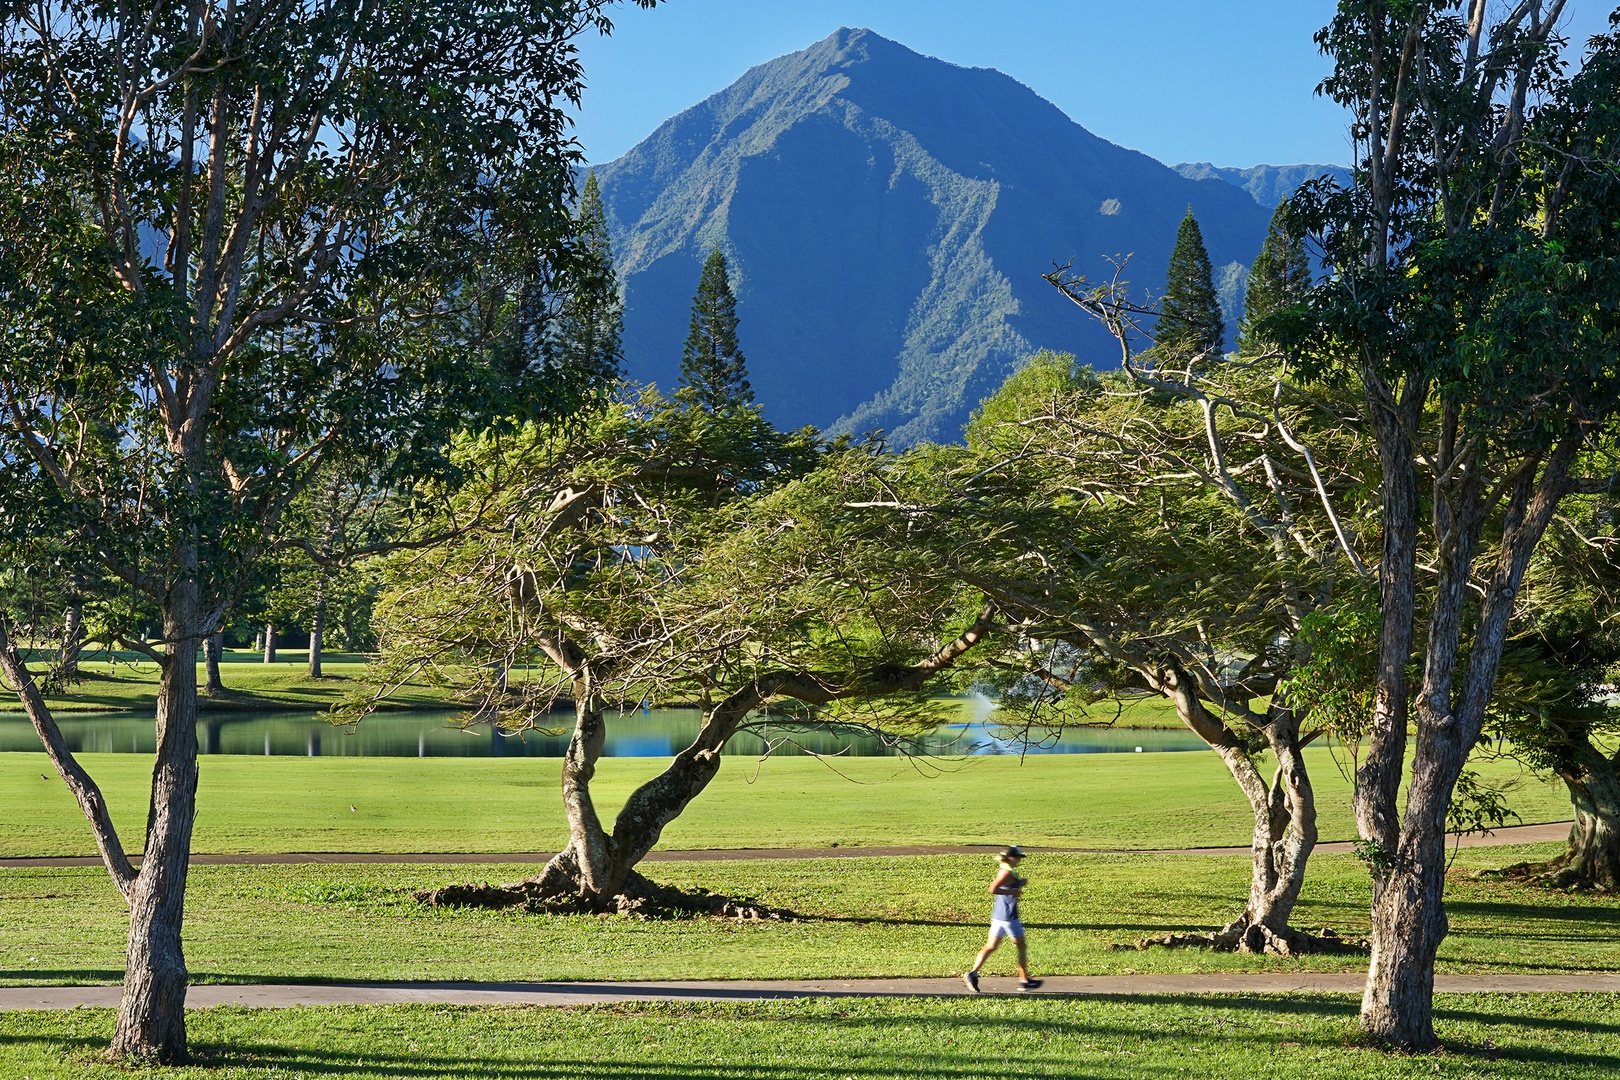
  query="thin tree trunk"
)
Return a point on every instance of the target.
[
  {"x": 269, "y": 642},
  {"x": 151, "y": 1015},
  {"x": 213, "y": 648},
  {"x": 317, "y": 628},
  {"x": 72, "y": 637}
]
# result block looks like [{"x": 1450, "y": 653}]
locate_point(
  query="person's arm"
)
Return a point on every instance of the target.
[{"x": 1000, "y": 886}]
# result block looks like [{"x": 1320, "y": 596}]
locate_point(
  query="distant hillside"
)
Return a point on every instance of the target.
[
  {"x": 1269, "y": 184},
  {"x": 888, "y": 217}
]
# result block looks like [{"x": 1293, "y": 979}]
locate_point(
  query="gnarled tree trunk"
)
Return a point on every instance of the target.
[{"x": 1593, "y": 858}]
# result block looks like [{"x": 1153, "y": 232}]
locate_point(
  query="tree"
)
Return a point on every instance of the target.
[
  {"x": 1115, "y": 521},
  {"x": 1279, "y": 279},
  {"x": 237, "y": 240},
  {"x": 588, "y": 332},
  {"x": 1190, "y": 326},
  {"x": 714, "y": 373},
  {"x": 1472, "y": 298},
  {"x": 664, "y": 553}
]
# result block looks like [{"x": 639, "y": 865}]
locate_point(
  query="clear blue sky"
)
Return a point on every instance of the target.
[{"x": 1228, "y": 81}]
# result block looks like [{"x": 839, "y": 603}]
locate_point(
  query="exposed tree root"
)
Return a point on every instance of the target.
[
  {"x": 1260, "y": 940},
  {"x": 640, "y": 898},
  {"x": 1560, "y": 873}
]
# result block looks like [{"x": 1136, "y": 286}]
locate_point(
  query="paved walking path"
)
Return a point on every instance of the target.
[
  {"x": 1519, "y": 834},
  {"x": 281, "y": 996}
]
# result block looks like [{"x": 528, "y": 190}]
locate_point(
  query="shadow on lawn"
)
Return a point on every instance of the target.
[{"x": 64, "y": 976}]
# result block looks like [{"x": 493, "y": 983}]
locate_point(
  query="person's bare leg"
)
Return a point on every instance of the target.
[
  {"x": 1023, "y": 959},
  {"x": 984, "y": 954}
]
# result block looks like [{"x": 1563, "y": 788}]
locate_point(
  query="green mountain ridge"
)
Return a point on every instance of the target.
[{"x": 887, "y": 217}]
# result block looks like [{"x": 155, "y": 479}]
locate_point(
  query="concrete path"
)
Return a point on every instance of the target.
[
  {"x": 281, "y": 996},
  {"x": 1518, "y": 834}
]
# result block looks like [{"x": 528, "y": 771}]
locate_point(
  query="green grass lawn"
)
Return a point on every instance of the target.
[
  {"x": 256, "y": 804},
  {"x": 131, "y": 684},
  {"x": 1554, "y": 1037},
  {"x": 877, "y": 917}
]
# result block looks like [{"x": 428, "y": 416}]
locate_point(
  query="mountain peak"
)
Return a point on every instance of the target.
[{"x": 888, "y": 216}]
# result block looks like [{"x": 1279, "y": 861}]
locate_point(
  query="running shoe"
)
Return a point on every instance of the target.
[
  {"x": 1029, "y": 984},
  {"x": 972, "y": 980}
]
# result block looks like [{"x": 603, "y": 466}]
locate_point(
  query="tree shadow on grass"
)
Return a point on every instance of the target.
[{"x": 64, "y": 976}]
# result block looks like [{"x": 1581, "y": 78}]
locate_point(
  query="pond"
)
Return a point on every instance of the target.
[{"x": 657, "y": 733}]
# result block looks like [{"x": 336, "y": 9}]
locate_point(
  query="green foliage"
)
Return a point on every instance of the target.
[
  {"x": 1190, "y": 324},
  {"x": 1477, "y": 806},
  {"x": 714, "y": 373},
  {"x": 1279, "y": 279},
  {"x": 1335, "y": 686},
  {"x": 587, "y": 335}
]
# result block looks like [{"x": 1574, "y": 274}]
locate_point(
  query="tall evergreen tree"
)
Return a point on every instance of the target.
[
  {"x": 1279, "y": 278},
  {"x": 588, "y": 333},
  {"x": 714, "y": 373},
  {"x": 1190, "y": 320}
]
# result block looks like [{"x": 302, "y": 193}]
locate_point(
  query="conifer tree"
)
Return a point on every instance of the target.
[
  {"x": 714, "y": 373},
  {"x": 1190, "y": 320},
  {"x": 1279, "y": 278},
  {"x": 588, "y": 333}
]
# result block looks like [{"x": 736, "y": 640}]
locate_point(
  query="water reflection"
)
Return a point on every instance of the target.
[{"x": 656, "y": 733}]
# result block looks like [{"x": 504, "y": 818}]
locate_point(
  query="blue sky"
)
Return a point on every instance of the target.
[{"x": 1228, "y": 81}]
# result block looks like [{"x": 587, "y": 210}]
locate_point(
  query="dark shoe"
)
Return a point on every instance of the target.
[
  {"x": 1029, "y": 984},
  {"x": 972, "y": 980}
]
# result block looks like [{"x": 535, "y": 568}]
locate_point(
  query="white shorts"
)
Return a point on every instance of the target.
[{"x": 1000, "y": 928}]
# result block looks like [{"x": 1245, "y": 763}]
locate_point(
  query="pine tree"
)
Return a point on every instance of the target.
[
  {"x": 714, "y": 373},
  {"x": 1280, "y": 278},
  {"x": 588, "y": 332},
  {"x": 1190, "y": 322}
]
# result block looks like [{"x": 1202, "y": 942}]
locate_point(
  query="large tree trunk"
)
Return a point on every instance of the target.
[
  {"x": 213, "y": 649},
  {"x": 1593, "y": 859},
  {"x": 269, "y": 641},
  {"x": 151, "y": 1015}
]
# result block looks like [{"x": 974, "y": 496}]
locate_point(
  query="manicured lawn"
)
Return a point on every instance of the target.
[
  {"x": 131, "y": 684},
  {"x": 254, "y": 804},
  {"x": 1554, "y": 1037},
  {"x": 912, "y": 916}
]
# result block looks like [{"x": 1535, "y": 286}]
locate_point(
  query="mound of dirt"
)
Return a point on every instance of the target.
[{"x": 640, "y": 899}]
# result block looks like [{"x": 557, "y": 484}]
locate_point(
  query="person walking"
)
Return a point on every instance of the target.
[{"x": 1004, "y": 921}]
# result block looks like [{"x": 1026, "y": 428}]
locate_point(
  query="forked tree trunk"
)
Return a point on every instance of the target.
[
  {"x": 151, "y": 1022},
  {"x": 213, "y": 648},
  {"x": 1284, "y": 829}
]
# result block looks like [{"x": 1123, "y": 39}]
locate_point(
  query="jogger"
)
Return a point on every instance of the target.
[{"x": 1004, "y": 922}]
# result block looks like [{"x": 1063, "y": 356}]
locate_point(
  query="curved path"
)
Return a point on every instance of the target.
[
  {"x": 1518, "y": 834},
  {"x": 281, "y": 996}
]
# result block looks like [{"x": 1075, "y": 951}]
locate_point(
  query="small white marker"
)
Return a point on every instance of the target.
[{"x": 1138, "y": 749}]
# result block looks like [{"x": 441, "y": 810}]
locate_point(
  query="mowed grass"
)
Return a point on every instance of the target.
[
  {"x": 495, "y": 805},
  {"x": 1552, "y": 1037},
  {"x": 870, "y": 917},
  {"x": 131, "y": 684}
]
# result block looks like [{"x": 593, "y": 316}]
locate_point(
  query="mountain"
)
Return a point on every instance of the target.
[
  {"x": 1268, "y": 184},
  {"x": 888, "y": 217}
]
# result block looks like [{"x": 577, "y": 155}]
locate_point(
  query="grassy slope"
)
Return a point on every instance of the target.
[
  {"x": 249, "y": 804},
  {"x": 869, "y": 917},
  {"x": 1562, "y": 1037}
]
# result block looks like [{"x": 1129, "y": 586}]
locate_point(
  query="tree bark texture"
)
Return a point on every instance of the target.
[
  {"x": 213, "y": 649},
  {"x": 151, "y": 1016},
  {"x": 72, "y": 637},
  {"x": 1408, "y": 915},
  {"x": 1593, "y": 858}
]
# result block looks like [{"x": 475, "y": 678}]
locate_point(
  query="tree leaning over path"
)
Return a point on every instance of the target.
[
  {"x": 1473, "y": 301},
  {"x": 239, "y": 240},
  {"x": 714, "y": 373}
]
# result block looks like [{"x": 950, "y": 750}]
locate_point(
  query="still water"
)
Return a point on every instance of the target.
[{"x": 659, "y": 733}]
